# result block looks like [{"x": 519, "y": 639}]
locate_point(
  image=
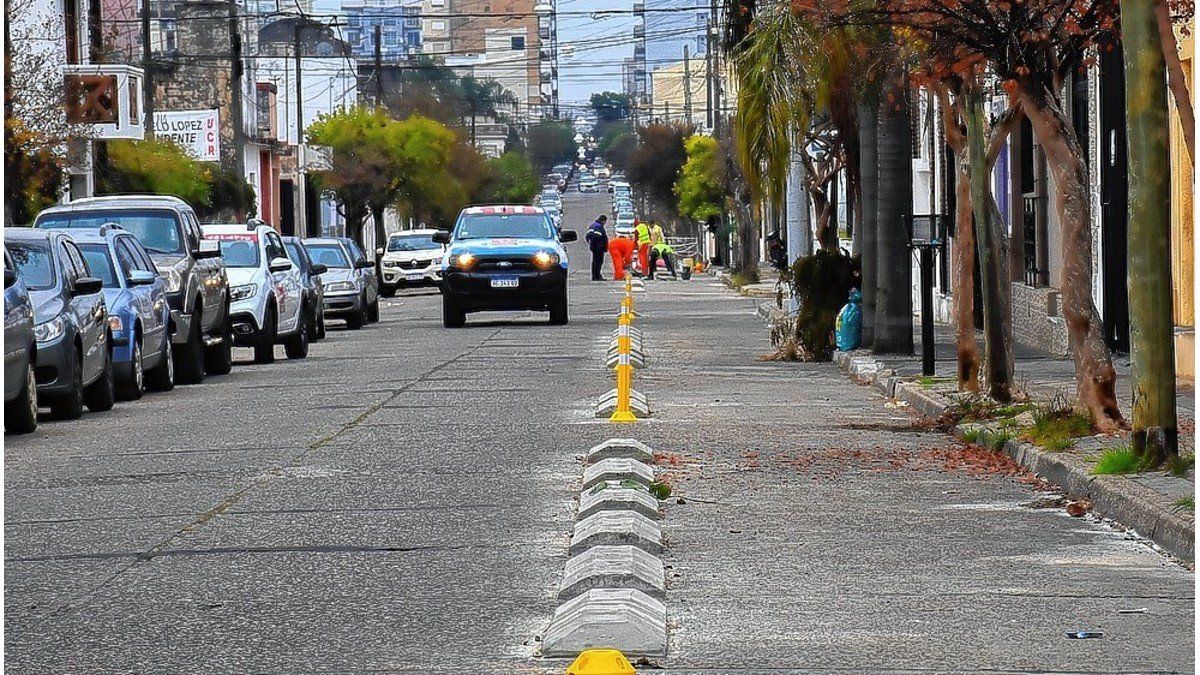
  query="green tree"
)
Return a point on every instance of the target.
[
  {"x": 33, "y": 173},
  {"x": 231, "y": 197},
  {"x": 511, "y": 180},
  {"x": 610, "y": 106},
  {"x": 701, "y": 184},
  {"x": 154, "y": 166},
  {"x": 655, "y": 164},
  {"x": 363, "y": 160},
  {"x": 616, "y": 148},
  {"x": 550, "y": 142}
]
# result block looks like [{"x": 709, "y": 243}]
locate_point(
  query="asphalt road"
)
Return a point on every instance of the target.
[{"x": 402, "y": 501}]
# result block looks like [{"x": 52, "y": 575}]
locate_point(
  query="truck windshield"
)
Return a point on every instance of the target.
[
  {"x": 157, "y": 229},
  {"x": 488, "y": 226}
]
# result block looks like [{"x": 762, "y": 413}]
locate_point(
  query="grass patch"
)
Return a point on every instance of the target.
[
  {"x": 1180, "y": 466},
  {"x": 997, "y": 439},
  {"x": 1117, "y": 461},
  {"x": 1055, "y": 429},
  {"x": 740, "y": 279},
  {"x": 1186, "y": 503}
]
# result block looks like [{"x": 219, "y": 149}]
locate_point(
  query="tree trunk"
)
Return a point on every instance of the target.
[
  {"x": 799, "y": 231},
  {"x": 868, "y": 115},
  {"x": 997, "y": 330},
  {"x": 1095, "y": 377},
  {"x": 964, "y": 276},
  {"x": 823, "y": 210},
  {"x": 893, "y": 283},
  {"x": 380, "y": 233},
  {"x": 1151, "y": 319},
  {"x": 1176, "y": 79}
]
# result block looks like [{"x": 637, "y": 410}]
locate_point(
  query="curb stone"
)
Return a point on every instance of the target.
[
  {"x": 613, "y": 497},
  {"x": 616, "y": 528},
  {"x": 608, "y": 403},
  {"x": 613, "y": 567},
  {"x": 621, "y": 447},
  {"x": 617, "y": 469},
  {"x": 608, "y": 617}
]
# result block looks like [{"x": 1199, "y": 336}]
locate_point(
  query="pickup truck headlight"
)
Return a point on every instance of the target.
[
  {"x": 463, "y": 261},
  {"x": 339, "y": 286},
  {"x": 545, "y": 259},
  {"x": 50, "y": 330},
  {"x": 242, "y": 292}
]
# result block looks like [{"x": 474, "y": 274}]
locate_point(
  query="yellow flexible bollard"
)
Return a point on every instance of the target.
[
  {"x": 624, "y": 340},
  {"x": 601, "y": 662},
  {"x": 625, "y": 318}
]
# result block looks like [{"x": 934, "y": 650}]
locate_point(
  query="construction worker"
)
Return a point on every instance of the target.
[
  {"x": 663, "y": 251},
  {"x": 620, "y": 248},
  {"x": 597, "y": 241},
  {"x": 642, "y": 232},
  {"x": 656, "y": 234}
]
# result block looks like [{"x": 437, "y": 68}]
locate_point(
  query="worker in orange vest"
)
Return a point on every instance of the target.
[{"x": 620, "y": 248}]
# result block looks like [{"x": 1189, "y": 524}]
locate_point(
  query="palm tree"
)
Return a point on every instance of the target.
[{"x": 893, "y": 282}]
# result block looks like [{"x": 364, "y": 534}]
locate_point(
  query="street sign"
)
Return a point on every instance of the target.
[{"x": 196, "y": 131}]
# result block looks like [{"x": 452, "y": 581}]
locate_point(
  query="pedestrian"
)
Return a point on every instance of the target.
[
  {"x": 620, "y": 249},
  {"x": 656, "y": 234},
  {"x": 597, "y": 239},
  {"x": 662, "y": 251},
  {"x": 642, "y": 230}
]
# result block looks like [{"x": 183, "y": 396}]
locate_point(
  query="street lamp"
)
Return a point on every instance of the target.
[{"x": 926, "y": 233}]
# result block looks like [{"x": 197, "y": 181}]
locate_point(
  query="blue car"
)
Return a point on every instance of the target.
[
  {"x": 20, "y": 354},
  {"x": 139, "y": 316},
  {"x": 507, "y": 258}
]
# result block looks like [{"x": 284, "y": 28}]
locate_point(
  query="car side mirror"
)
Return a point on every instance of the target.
[
  {"x": 568, "y": 235},
  {"x": 280, "y": 264},
  {"x": 209, "y": 248},
  {"x": 379, "y": 251},
  {"x": 10, "y": 277},
  {"x": 442, "y": 236},
  {"x": 141, "y": 278},
  {"x": 86, "y": 286},
  {"x": 364, "y": 264},
  {"x": 319, "y": 269}
]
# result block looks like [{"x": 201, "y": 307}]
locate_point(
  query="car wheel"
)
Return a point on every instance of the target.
[
  {"x": 264, "y": 347},
  {"x": 133, "y": 385},
  {"x": 20, "y": 414},
  {"x": 69, "y": 406},
  {"x": 296, "y": 346},
  {"x": 558, "y": 310},
  {"x": 373, "y": 312},
  {"x": 162, "y": 377},
  {"x": 100, "y": 395},
  {"x": 218, "y": 359},
  {"x": 453, "y": 316},
  {"x": 189, "y": 357}
]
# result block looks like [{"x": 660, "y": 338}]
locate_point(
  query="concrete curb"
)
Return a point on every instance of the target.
[
  {"x": 1147, "y": 512},
  {"x": 620, "y": 618},
  {"x": 613, "y": 567},
  {"x": 607, "y": 404},
  {"x": 613, "y": 497},
  {"x": 617, "y": 469},
  {"x": 616, "y": 528},
  {"x": 626, "y": 448}
]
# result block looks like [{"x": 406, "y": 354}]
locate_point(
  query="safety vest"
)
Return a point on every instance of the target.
[
  {"x": 643, "y": 234},
  {"x": 656, "y": 233}
]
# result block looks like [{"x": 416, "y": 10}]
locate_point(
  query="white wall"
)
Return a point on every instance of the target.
[{"x": 328, "y": 84}]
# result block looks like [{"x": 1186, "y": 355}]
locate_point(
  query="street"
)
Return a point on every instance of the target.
[{"x": 403, "y": 500}]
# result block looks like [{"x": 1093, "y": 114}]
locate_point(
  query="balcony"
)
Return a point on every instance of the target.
[{"x": 107, "y": 98}]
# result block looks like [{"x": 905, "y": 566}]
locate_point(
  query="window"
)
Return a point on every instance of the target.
[
  {"x": 437, "y": 25},
  {"x": 32, "y": 261},
  {"x": 72, "y": 259},
  {"x": 518, "y": 42},
  {"x": 99, "y": 264},
  {"x": 127, "y": 256},
  {"x": 274, "y": 248}
]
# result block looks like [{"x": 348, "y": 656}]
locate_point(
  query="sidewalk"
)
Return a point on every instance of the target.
[{"x": 813, "y": 528}]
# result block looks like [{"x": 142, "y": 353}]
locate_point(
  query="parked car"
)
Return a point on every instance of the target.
[
  {"x": 74, "y": 361},
  {"x": 197, "y": 287},
  {"x": 588, "y": 185},
  {"x": 139, "y": 317},
  {"x": 267, "y": 296},
  {"x": 504, "y": 258},
  {"x": 624, "y": 223},
  {"x": 310, "y": 278},
  {"x": 411, "y": 257},
  {"x": 20, "y": 354},
  {"x": 366, "y": 272},
  {"x": 345, "y": 289}
]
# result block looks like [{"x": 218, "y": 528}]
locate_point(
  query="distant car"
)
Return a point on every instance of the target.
[
  {"x": 588, "y": 185},
  {"x": 506, "y": 258},
  {"x": 74, "y": 360},
  {"x": 603, "y": 172},
  {"x": 268, "y": 301},
  {"x": 624, "y": 224},
  {"x": 197, "y": 288},
  {"x": 20, "y": 354},
  {"x": 139, "y": 317},
  {"x": 411, "y": 257},
  {"x": 345, "y": 290},
  {"x": 310, "y": 278},
  {"x": 370, "y": 279}
]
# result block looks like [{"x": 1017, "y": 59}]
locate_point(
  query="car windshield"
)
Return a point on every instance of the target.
[
  {"x": 158, "y": 230},
  {"x": 99, "y": 263},
  {"x": 33, "y": 265},
  {"x": 488, "y": 226},
  {"x": 412, "y": 242},
  {"x": 329, "y": 255},
  {"x": 239, "y": 251}
]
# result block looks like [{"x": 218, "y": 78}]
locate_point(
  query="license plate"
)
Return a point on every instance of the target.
[
  {"x": 414, "y": 275},
  {"x": 506, "y": 282}
]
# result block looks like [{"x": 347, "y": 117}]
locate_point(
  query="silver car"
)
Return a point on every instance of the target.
[{"x": 345, "y": 288}]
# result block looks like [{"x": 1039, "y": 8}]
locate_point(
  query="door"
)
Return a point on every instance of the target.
[
  {"x": 88, "y": 312},
  {"x": 287, "y": 208},
  {"x": 287, "y": 284},
  {"x": 1114, "y": 201}
]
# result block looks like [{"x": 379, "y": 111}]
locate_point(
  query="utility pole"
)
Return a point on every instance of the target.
[
  {"x": 708, "y": 73},
  {"x": 378, "y": 68},
  {"x": 236, "y": 105},
  {"x": 147, "y": 66},
  {"x": 716, "y": 61},
  {"x": 687, "y": 86},
  {"x": 301, "y": 215}
]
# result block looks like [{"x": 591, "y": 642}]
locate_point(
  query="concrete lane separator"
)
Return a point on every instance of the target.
[{"x": 613, "y": 587}]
